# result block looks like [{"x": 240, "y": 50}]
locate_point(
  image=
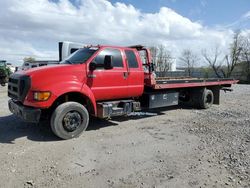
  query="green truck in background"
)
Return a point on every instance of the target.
[{"x": 4, "y": 72}]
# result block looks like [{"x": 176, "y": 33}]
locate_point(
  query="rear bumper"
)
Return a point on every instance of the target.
[{"x": 25, "y": 113}]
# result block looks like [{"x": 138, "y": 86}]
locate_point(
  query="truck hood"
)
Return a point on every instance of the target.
[
  {"x": 48, "y": 69},
  {"x": 48, "y": 76}
]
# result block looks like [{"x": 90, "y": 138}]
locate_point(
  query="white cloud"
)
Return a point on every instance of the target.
[
  {"x": 247, "y": 15},
  {"x": 29, "y": 27},
  {"x": 203, "y": 3},
  {"x": 15, "y": 50}
]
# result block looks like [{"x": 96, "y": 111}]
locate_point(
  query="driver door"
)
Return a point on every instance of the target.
[{"x": 109, "y": 84}]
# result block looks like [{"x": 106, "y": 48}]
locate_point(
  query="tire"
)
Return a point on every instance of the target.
[
  {"x": 2, "y": 81},
  {"x": 207, "y": 99},
  {"x": 69, "y": 120}
]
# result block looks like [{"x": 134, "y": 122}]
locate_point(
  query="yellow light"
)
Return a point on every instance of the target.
[{"x": 41, "y": 95}]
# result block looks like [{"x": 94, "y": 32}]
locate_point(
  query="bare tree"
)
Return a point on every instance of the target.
[
  {"x": 213, "y": 61},
  {"x": 188, "y": 59},
  {"x": 220, "y": 68},
  {"x": 29, "y": 59},
  {"x": 162, "y": 59},
  {"x": 233, "y": 58},
  {"x": 245, "y": 55},
  {"x": 153, "y": 51}
]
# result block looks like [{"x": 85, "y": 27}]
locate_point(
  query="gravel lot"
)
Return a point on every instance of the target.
[{"x": 175, "y": 148}]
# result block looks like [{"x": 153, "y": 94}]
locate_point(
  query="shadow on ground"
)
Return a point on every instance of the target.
[
  {"x": 12, "y": 128},
  {"x": 96, "y": 123}
]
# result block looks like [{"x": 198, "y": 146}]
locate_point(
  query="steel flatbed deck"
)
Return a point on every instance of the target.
[{"x": 168, "y": 83}]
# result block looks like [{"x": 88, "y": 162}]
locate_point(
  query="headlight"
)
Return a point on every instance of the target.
[{"x": 41, "y": 95}]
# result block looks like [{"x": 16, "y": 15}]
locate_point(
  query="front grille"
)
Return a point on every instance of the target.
[
  {"x": 13, "y": 88},
  {"x": 13, "y": 80},
  {"x": 2, "y": 72},
  {"x": 18, "y": 86}
]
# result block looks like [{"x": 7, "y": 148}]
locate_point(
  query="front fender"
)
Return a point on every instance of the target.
[
  {"x": 57, "y": 90},
  {"x": 85, "y": 90}
]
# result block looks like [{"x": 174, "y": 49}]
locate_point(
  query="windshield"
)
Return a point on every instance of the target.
[{"x": 80, "y": 56}]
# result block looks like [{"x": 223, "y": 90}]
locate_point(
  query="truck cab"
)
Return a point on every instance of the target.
[
  {"x": 115, "y": 73},
  {"x": 89, "y": 77}
]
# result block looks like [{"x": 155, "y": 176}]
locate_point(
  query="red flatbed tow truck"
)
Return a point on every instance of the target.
[{"x": 102, "y": 81}]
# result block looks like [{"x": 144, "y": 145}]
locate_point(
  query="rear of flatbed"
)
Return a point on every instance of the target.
[{"x": 194, "y": 92}]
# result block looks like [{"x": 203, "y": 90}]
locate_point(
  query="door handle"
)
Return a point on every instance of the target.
[
  {"x": 125, "y": 75},
  {"x": 91, "y": 75}
]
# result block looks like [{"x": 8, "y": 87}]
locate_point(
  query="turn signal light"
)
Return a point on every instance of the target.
[{"x": 41, "y": 95}]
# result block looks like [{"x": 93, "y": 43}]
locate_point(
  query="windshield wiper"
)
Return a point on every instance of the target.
[{"x": 68, "y": 61}]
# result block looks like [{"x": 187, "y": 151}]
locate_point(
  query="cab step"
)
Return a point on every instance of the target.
[{"x": 117, "y": 108}]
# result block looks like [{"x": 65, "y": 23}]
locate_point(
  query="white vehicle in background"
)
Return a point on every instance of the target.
[
  {"x": 11, "y": 67},
  {"x": 65, "y": 49},
  {"x": 29, "y": 65}
]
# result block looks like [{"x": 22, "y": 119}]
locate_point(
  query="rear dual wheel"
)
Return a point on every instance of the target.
[
  {"x": 200, "y": 98},
  {"x": 69, "y": 120},
  {"x": 207, "y": 99}
]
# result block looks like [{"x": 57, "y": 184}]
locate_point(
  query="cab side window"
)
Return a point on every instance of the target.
[
  {"x": 115, "y": 53},
  {"x": 132, "y": 61}
]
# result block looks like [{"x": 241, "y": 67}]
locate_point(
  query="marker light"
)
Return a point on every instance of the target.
[{"x": 41, "y": 95}]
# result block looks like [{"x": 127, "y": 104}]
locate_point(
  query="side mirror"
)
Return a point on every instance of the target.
[
  {"x": 92, "y": 66},
  {"x": 108, "y": 62}
]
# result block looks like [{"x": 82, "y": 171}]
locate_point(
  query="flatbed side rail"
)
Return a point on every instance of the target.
[{"x": 170, "y": 84}]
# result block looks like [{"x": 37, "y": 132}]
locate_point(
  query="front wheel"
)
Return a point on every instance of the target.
[
  {"x": 2, "y": 81},
  {"x": 69, "y": 120}
]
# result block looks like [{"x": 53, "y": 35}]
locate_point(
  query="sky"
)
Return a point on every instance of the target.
[
  {"x": 34, "y": 28},
  {"x": 209, "y": 12}
]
